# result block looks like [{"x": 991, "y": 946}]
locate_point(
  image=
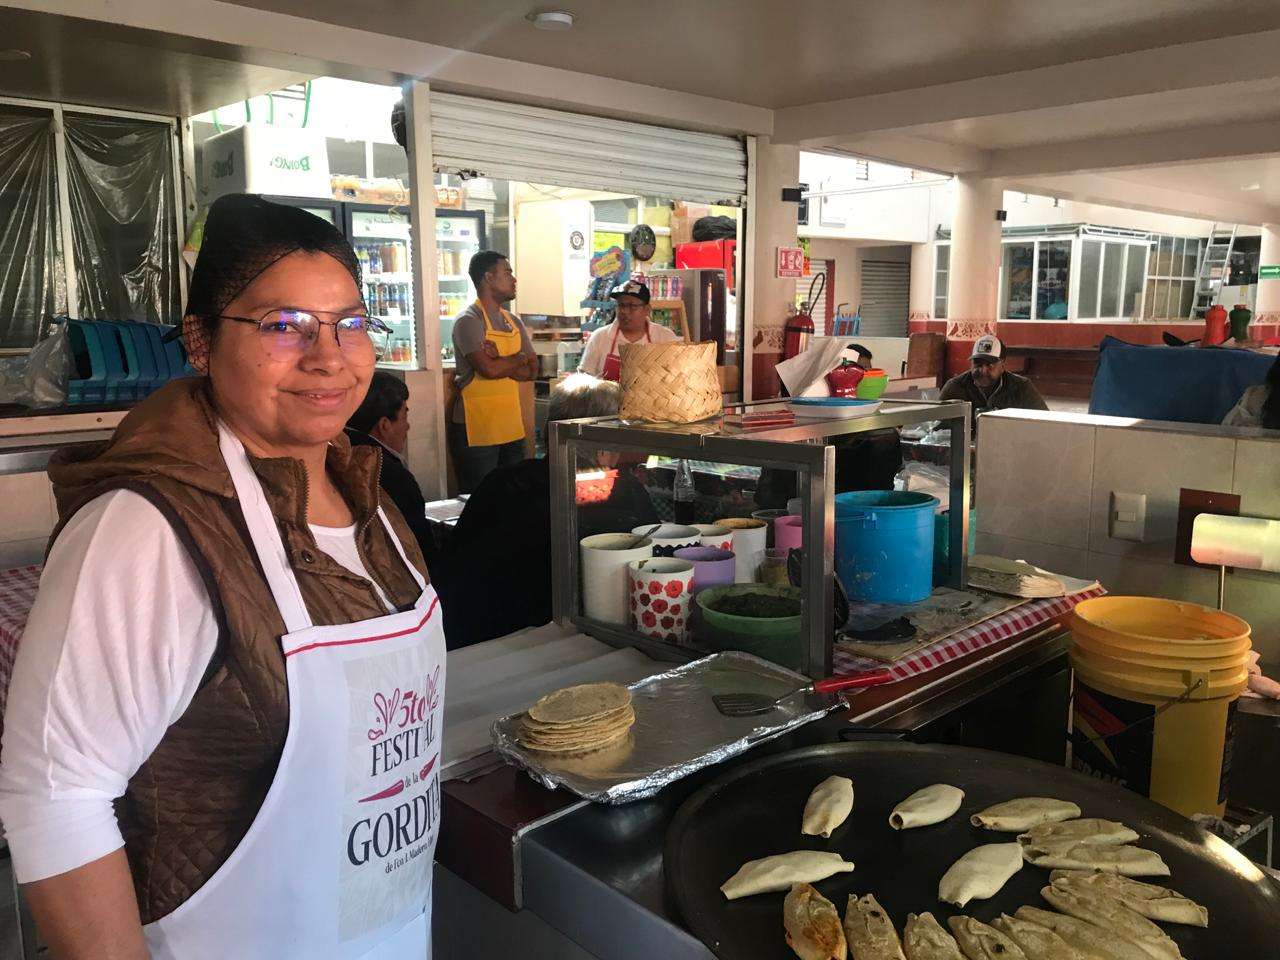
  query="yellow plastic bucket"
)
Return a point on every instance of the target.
[{"x": 1153, "y": 708}]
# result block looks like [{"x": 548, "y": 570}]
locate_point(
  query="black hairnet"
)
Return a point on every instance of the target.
[{"x": 243, "y": 236}]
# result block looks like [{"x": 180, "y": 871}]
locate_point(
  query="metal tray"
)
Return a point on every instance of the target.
[
  {"x": 678, "y": 729},
  {"x": 754, "y": 810}
]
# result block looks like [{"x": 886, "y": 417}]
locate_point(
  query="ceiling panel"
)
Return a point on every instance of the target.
[
  {"x": 773, "y": 54},
  {"x": 1201, "y": 106},
  {"x": 103, "y": 65}
]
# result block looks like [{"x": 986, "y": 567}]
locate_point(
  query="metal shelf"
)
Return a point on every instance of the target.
[
  {"x": 31, "y": 453},
  {"x": 800, "y": 447}
]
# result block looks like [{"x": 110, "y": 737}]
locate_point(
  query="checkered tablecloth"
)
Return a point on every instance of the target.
[
  {"x": 1021, "y": 618},
  {"x": 17, "y": 594}
]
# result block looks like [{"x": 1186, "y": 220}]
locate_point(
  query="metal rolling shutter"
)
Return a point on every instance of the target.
[
  {"x": 886, "y": 290},
  {"x": 508, "y": 141}
]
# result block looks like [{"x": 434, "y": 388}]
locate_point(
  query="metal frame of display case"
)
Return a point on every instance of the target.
[{"x": 793, "y": 447}]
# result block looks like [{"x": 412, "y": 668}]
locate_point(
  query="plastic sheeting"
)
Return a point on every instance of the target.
[
  {"x": 38, "y": 378},
  {"x": 120, "y": 182},
  {"x": 32, "y": 277}
]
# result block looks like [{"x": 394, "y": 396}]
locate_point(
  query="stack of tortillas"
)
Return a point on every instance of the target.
[{"x": 578, "y": 720}]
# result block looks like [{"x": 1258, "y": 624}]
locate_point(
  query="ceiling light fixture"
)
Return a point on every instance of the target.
[
  {"x": 14, "y": 54},
  {"x": 551, "y": 19},
  {"x": 1251, "y": 186}
]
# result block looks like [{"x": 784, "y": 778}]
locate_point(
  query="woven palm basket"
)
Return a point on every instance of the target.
[{"x": 669, "y": 382}]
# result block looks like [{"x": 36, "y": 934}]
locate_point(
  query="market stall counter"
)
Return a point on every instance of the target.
[{"x": 594, "y": 872}]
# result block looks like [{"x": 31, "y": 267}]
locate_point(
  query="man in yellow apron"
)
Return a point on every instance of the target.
[{"x": 492, "y": 351}]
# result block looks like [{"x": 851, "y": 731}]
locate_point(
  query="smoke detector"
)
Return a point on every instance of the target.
[{"x": 551, "y": 20}]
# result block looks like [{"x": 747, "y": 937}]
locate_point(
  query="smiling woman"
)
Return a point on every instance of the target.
[{"x": 224, "y": 572}]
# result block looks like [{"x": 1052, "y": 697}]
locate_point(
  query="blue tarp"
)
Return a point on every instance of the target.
[{"x": 1184, "y": 384}]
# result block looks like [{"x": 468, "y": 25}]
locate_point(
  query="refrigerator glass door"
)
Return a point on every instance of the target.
[
  {"x": 459, "y": 235},
  {"x": 380, "y": 237},
  {"x": 325, "y": 210}
]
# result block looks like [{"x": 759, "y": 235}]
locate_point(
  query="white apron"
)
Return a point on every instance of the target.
[{"x": 337, "y": 863}]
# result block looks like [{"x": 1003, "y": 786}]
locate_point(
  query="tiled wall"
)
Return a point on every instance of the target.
[
  {"x": 1043, "y": 494},
  {"x": 27, "y": 516}
]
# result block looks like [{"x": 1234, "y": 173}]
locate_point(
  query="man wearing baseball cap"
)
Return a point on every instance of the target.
[
  {"x": 989, "y": 386},
  {"x": 601, "y": 357}
]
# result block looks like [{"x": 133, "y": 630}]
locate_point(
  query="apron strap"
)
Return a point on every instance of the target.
[
  {"x": 265, "y": 534},
  {"x": 422, "y": 584},
  {"x": 613, "y": 344}
]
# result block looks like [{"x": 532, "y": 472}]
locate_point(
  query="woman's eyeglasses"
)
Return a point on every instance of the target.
[{"x": 287, "y": 334}]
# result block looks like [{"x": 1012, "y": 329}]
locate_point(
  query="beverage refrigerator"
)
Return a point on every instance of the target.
[
  {"x": 706, "y": 305},
  {"x": 380, "y": 237},
  {"x": 459, "y": 235}
]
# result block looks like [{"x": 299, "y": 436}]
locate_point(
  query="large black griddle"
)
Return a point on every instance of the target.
[{"x": 754, "y": 811}]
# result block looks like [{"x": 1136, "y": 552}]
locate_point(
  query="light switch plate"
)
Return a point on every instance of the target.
[{"x": 1128, "y": 516}]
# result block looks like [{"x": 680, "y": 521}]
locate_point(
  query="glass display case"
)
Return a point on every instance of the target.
[{"x": 805, "y": 448}]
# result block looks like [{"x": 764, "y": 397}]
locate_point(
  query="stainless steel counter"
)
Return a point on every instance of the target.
[{"x": 592, "y": 875}]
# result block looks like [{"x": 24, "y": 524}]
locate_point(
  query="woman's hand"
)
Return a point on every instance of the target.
[{"x": 90, "y": 913}]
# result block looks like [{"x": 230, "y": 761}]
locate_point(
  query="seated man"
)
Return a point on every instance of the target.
[
  {"x": 382, "y": 420},
  {"x": 989, "y": 386},
  {"x": 497, "y": 572}
]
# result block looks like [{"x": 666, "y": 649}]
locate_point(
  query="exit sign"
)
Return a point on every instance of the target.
[
  {"x": 790, "y": 262},
  {"x": 1271, "y": 272}
]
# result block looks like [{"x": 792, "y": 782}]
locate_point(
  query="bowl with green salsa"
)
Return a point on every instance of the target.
[{"x": 754, "y": 617}]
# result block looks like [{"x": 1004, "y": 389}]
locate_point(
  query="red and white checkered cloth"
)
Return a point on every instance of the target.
[
  {"x": 17, "y": 595},
  {"x": 1000, "y": 627}
]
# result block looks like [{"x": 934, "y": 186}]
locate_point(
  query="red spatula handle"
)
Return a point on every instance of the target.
[{"x": 867, "y": 678}]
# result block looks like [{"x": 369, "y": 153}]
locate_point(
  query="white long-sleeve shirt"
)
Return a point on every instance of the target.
[{"x": 116, "y": 645}]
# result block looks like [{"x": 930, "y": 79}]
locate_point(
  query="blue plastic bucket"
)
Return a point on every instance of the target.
[
  {"x": 884, "y": 545},
  {"x": 942, "y": 543}
]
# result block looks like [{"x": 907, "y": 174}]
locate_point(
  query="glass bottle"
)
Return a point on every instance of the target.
[{"x": 683, "y": 495}]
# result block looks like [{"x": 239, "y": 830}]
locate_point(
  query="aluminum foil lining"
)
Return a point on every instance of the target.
[{"x": 678, "y": 729}]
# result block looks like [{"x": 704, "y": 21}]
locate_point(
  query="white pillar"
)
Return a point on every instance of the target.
[
  {"x": 772, "y": 223},
  {"x": 1268, "y": 302},
  {"x": 975, "y": 256},
  {"x": 426, "y": 449},
  {"x": 920, "y": 299}
]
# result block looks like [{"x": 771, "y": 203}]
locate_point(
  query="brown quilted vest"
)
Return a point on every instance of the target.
[{"x": 194, "y": 798}]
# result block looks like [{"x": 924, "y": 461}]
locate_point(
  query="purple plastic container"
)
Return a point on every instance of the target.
[{"x": 712, "y": 567}]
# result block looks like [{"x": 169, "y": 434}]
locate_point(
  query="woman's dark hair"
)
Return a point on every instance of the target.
[
  {"x": 1271, "y": 406},
  {"x": 243, "y": 236},
  {"x": 387, "y": 395},
  {"x": 482, "y": 263}
]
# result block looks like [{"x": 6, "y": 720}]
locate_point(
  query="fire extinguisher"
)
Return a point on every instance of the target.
[{"x": 799, "y": 326}]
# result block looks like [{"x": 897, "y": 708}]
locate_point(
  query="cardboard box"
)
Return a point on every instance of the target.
[{"x": 683, "y": 218}]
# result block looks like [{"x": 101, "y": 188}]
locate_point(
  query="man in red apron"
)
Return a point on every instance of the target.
[{"x": 601, "y": 357}]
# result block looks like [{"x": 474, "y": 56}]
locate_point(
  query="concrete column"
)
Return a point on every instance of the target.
[
  {"x": 425, "y": 453},
  {"x": 974, "y": 272},
  {"x": 920, "y": 299},
  {"x": 1267, "y": 309},
  {"x": 975, "y": 255},
  {"x": 772, "y": 223}
]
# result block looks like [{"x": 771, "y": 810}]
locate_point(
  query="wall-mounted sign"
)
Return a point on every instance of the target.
[
  {"x": 1269, "y": 272},
  {"x": 790, "y": 262}
]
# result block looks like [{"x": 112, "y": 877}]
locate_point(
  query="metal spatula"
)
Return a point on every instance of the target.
[{"x": 751, "y": 704}]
